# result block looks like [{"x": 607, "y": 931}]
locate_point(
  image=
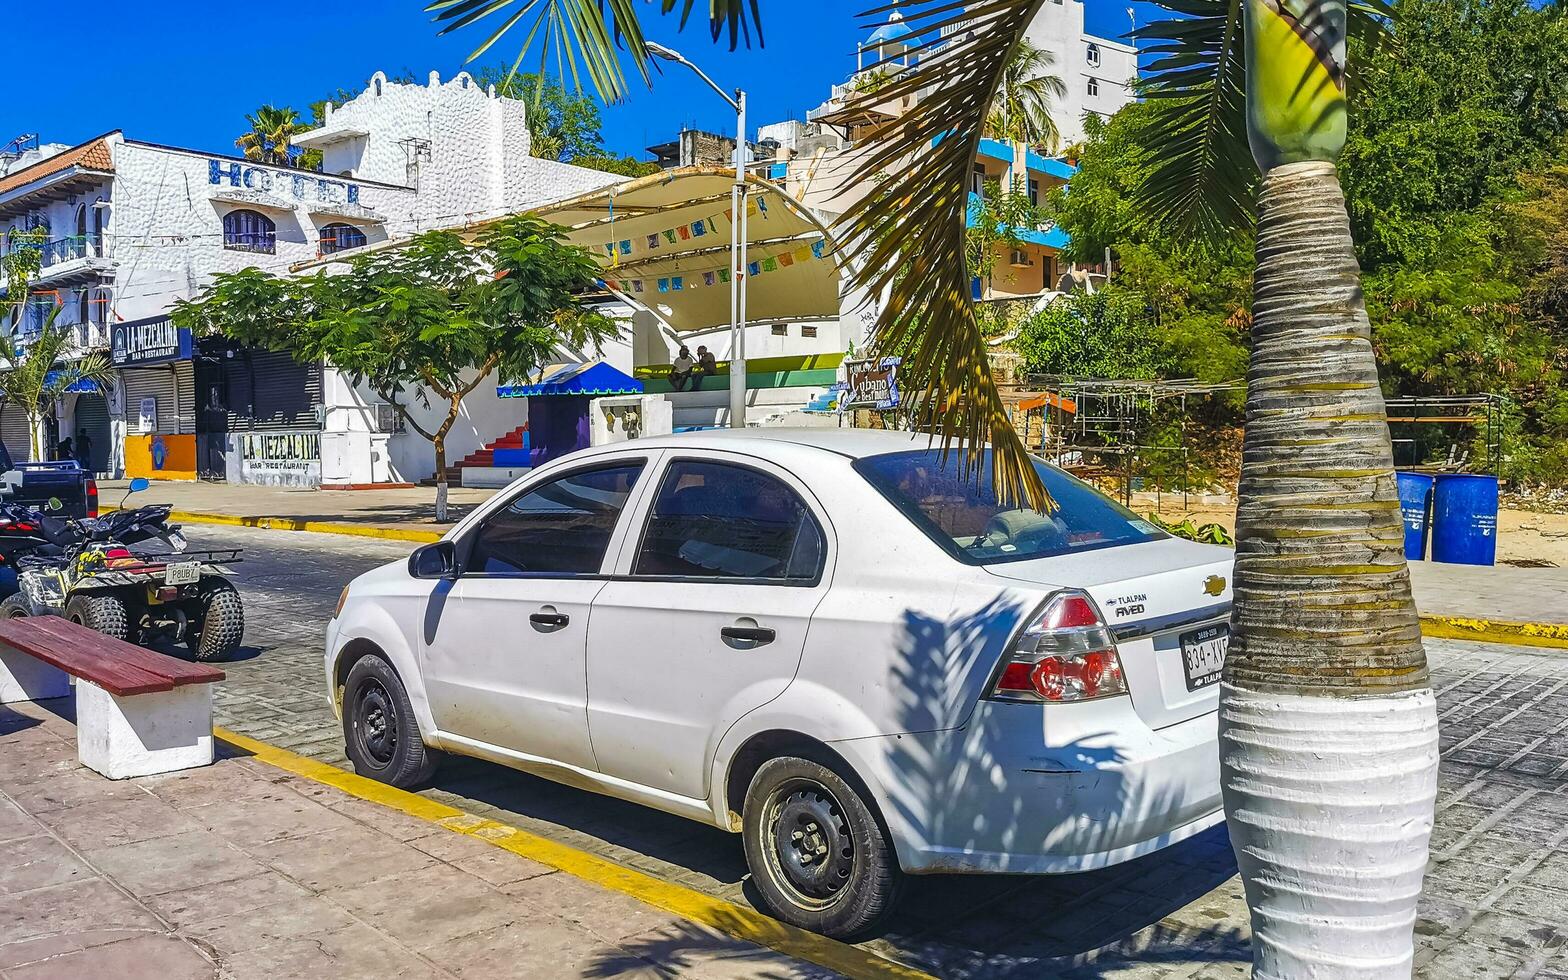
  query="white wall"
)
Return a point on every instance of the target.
[{"x": 1058, "y": 27}]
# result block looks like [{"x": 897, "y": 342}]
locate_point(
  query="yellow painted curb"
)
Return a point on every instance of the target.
[
  {"x": 295, "y": 524},
  {"x": 1553, "y": 635},
  {"x": 735, "y": 920}
]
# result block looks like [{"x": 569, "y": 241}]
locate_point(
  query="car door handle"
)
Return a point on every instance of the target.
[
  {"x": 549, "y": 620},
  {"x": 749, "y": 634}
]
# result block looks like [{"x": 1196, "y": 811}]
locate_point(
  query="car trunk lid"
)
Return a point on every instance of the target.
[{"x": 1152, "y": 595}]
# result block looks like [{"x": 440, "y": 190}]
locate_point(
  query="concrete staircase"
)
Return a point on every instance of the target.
[{"x": 484, "y": 457}]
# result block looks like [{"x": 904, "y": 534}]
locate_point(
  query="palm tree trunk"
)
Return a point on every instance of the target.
[{"x": 1328, "y": 726}]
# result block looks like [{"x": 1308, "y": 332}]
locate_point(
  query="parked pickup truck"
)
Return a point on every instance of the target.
[{"x": 33, "y": 484}]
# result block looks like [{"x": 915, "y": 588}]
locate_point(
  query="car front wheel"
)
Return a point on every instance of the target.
[
  {"x": 380, "y": 734},
  {"x": 818, "y": 856}
]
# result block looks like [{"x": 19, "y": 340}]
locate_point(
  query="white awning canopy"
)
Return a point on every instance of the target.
[{"x": 663, "y": 241}]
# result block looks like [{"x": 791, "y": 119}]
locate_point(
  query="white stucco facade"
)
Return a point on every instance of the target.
[{"x": 127, "y": 228}]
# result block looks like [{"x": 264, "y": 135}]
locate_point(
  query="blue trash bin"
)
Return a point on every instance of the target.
[
  {"x": 1464, "y": 519},
  {"x": 1415, "y": 506}
]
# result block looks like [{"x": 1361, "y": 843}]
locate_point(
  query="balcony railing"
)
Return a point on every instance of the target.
[{"x": 63, "y": 250}]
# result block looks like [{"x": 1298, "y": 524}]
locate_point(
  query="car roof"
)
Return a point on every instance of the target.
[{"x": 853, "y": 443}]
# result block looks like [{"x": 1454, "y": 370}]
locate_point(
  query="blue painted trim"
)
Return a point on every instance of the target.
[
  {"x": 996, "y": 150},
  {"x": 1049, "y": 165},
  {"x": 1053, "y": 237}
]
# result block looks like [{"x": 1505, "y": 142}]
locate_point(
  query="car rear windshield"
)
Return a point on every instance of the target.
[{"x": 963, "y": 516}]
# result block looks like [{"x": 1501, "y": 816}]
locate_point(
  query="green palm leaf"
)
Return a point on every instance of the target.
[
  {"x": 908, "y": 240},
  {"x": 587, "y": 36},
  {"x": 1203, "y": 178}
]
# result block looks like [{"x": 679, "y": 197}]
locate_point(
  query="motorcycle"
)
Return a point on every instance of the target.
[{"x": 83, "y": 570}]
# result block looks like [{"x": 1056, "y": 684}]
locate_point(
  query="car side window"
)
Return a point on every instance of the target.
[
  {"x": 559, "y": 528},
  {"x": 721, "y": 521}
]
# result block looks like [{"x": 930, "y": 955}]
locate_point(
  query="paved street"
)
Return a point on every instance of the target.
[{"x": 1496, "y": 900}]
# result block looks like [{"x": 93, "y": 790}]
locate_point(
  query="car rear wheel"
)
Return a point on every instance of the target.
[
  {"x": 818, "y": 856},
  {"x": 379, "y": 730},
  {"x": 99, "y": 612}
]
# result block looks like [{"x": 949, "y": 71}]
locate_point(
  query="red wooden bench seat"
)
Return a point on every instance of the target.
[
  {"x": 121, "y": 668},
  {"x": 138, "y": 712}
]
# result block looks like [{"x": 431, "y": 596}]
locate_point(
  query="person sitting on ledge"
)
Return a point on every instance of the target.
[
  {"x": 707, "y": 367},
  {"x": 680, "y": 370}
]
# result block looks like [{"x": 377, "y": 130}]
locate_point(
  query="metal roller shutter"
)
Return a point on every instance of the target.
[
  {"x": 16, "y": 432},
  {"x": 270, "y": 391},
  {"x": 92, "y": 414},
  {"x": 176, "y": 405}
]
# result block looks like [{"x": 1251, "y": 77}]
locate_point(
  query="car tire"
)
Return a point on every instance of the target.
[
  {"x": 101, "y": 612},
  {"x": 818, "y": 855},
  {"x": 380, "y": 732},
  {"x": 218, "y": 624},
  {"x": 15, "y": 606}
]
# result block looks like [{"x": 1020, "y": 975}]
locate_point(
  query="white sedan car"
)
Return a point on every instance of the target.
[{"x": 829, "y": 641}]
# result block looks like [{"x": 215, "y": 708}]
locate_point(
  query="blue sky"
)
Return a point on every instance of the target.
[{"x": 185, "y": 72}]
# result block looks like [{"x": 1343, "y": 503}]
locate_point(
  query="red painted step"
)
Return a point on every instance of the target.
[{"x": 484, "y": 456}]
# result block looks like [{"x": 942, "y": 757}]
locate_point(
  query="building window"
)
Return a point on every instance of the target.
[
  {"x": 249, "y": 231},
  {"x": 780, "y": 330},
  {"x": 339, "y": 237},
  {"x": 1034, "y": 191},
  {"x": 1094, "y": 86},
  {"x": 808, "y": 331},
  {"x": 977, "y": 180},
  {"x": 1092, "y": 55}
]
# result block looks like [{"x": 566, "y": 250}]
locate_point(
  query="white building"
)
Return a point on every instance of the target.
[
  {"x": 1099, "y": 73},
  {"x": 126, "y": 228}
]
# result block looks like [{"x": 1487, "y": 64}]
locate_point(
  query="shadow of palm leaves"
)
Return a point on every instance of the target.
[
  {"x": 690, "y": 949},
  {"x": 954, "y": 786}
]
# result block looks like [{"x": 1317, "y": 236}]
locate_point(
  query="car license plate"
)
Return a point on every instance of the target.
[
  {"x": 185, "y": 573},
  {"x": 1203, "y": 654}
]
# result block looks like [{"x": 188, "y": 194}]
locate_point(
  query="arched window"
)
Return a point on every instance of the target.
[
  {"x": 339, "y": 237},
  {"x": 1092, "y": 55},
  {"x": 249, "y": 231}
]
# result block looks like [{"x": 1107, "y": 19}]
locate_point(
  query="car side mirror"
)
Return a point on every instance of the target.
[{"x": 434, "y": 561}]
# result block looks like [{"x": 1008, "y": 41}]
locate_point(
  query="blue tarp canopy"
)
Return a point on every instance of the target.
[
  {"x": 595, "y": 379},
  {"x": 81, "y": 386}
]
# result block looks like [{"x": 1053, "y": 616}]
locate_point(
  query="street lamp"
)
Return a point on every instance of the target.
[{"x": 738, "y": 238}]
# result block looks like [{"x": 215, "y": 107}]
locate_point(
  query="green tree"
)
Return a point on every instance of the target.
[
  {"x": 272, "y": 131},
  {"x": 433, "y": 321},
  {"x": 36, "y": 375},
  {"x": 1328, "y": 724},
  {"x": 1022, "y": 110},
  {"x": 995, "y": 219}
]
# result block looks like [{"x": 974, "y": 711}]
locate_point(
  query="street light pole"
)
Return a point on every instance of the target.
[{"x": 738, "y": 239}]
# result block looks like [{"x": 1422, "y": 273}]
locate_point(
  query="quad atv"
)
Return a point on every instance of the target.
[{"x": 86, "y": 573}]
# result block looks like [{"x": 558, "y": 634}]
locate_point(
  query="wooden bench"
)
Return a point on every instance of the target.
[{"x": 138, "y": 712}]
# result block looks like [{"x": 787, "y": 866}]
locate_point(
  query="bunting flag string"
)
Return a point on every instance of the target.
[
  {"x": 622, "y": 248},
  {"x": 702, "y": 279}
]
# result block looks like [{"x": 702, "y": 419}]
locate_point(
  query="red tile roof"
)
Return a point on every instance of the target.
[{"x": 92, "y": 155}]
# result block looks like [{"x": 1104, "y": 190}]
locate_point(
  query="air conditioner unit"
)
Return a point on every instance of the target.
[
  {"x": 1019, "y": 260},
  {"x": 388, "y": 419}
]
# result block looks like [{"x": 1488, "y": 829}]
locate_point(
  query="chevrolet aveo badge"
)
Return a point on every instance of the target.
[{"x": 1215, "y": 585}]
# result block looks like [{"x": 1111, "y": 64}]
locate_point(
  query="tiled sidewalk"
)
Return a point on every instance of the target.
[{"x": 240, "y": 870}]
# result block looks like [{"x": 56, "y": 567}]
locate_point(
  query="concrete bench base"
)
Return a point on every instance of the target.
[
  {"x": 146, "y": 734},
  {"x": 25, "y": 678}
]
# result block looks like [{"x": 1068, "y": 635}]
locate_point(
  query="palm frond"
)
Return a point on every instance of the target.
[
  {"x": 909, "y": 238},
  {"x": 588, "y": 36},
  {"x": 1203, "y": 177}
]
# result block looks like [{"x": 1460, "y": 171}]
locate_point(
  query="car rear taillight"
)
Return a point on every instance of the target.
[
  {"x": 92, "y": 498},
  {"x": 1065, "y": 654}
]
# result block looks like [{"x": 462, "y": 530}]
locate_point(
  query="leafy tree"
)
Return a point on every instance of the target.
[
  {"x": 272, "y": 131},
  {"x": 434, "y": 320},
  {"x": 35, "y": 375},
  {"x": 1022, "y": 110},
  {"x": 1104, "y": 335}
]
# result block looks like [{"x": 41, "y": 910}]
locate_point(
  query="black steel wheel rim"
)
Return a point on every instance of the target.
[
  {"x": 375, "y": 723},
  {"x": 810, "y": 847}
]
